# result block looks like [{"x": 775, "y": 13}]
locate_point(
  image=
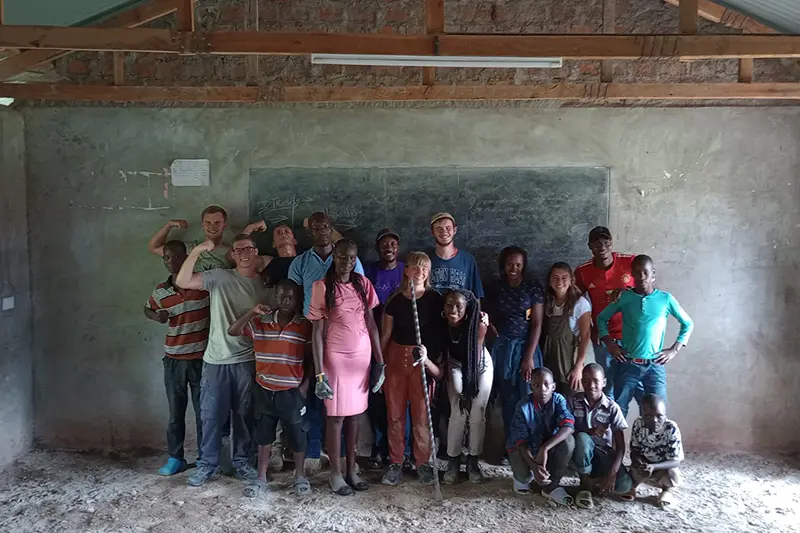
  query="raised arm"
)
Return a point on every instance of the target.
[
  {"x": 187, "y": 278},
  {"x": 237, "y": 328},
  {"x": 156, "y": 243}
]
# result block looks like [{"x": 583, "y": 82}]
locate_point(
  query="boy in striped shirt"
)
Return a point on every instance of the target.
[
  {"x": 187, "y": 313},
  {"x": 282, "y": 344}
]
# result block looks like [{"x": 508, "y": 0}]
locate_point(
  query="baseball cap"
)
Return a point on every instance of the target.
[
  {"x": 599, "y": 232},
  {"x": 439, "y": 216},
  {"x": 386, "y": 232}
]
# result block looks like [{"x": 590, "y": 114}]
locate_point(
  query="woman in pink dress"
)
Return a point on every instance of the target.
[{"x": 345, "y": 336}]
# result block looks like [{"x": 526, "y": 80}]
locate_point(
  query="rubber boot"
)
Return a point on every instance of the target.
[{"x": 453, "y": 469}]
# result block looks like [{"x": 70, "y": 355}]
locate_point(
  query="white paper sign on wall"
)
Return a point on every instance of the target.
[{"x": 190, "y": 173}]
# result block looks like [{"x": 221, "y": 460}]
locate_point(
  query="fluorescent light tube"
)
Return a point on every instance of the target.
[{"x": 436, "y": 61}]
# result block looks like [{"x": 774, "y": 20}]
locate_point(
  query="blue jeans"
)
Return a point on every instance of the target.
[
  {"x": 315, "y": 418},
  {"x": 507, "y": 357},
  {"x": 595, "y": 462},
  {"x": 630, "y": 376},
  {"x": 226, "y": 391},
  {"x": 603, "y": 358}
]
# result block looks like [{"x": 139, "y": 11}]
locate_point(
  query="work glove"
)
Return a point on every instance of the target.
[
  {"x": 323, "y": 389},
  {"x": 378, "y": 376}
]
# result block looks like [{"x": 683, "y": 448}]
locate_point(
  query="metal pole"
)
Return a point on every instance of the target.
[{"x": 437, "y": 490}]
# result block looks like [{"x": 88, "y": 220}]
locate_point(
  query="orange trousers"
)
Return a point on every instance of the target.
[{"x": 404, "y": 384}]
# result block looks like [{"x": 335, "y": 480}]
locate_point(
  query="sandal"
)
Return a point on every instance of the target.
[
  {"x": 559, "y": 496},
  {"x": 340, "y": 487},
  {"x": 627, "y": 496},
  {"x": 375, "y": 462},
  {"x": 666, "y": 499},
  {"x": 358, "y": 484},
  {"x": 302, "y": 487},
  {"x": 521, "y": 488},
  {"x": 255, "y": 488},
  {"x": 584, "y": 500}
]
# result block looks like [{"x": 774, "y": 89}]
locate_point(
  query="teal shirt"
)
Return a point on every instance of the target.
[{"x": 644, "y": 322}]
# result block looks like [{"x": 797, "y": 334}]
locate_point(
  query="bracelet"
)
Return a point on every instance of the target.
[{"x": 320, "y": 377}]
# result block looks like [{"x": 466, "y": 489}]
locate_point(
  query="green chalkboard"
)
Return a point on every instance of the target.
[{"x": 546, "y": 210}]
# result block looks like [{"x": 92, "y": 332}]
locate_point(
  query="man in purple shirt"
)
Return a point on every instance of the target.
[{"x": 385, "y": 275}]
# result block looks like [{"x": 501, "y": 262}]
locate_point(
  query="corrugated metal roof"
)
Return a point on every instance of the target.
[{"x": 783, "y": 15}]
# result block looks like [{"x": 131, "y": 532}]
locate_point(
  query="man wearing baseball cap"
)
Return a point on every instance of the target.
[
  {"x": 385, "y": 274},
  {"x": 452, "y": 268},
  {"x": 602, "y": 278}
]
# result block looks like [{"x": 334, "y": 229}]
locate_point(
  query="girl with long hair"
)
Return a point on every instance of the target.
[
  {"x": 515, "y": 306},
  {"x": 344, "y": 336},
  {"x": 403, "y": 380},
  {"x": 470, "y": 376},
  {"x": 567, "y": 328}
]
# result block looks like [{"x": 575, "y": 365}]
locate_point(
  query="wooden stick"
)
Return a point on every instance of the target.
[{"x": 688, "y": 16}]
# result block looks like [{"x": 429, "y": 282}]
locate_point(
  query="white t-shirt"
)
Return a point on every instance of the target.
[{"x": 582, "y": 306}]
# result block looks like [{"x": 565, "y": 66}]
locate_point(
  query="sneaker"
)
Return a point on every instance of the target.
[
  {"x": 201, "y": 474},
  {"x": 246, "y": 472},
  {"x": 312, "y": 467},
  {"x": 453, "y": 469},
  {"x": 474, "y": 470},
  {"x": 173, "y": 466},
  {"x": 425, "y": 474},
  {"x": 408, "y": 463},
  {"x": 505, "y": 461},
  {"x": 394, "y": 475}
]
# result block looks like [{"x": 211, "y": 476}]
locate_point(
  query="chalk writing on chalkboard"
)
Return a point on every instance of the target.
[{"x": 547, "y": 210}]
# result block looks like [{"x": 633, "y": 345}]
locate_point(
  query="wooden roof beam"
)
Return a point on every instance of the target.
[
  {"x": 559, "y": 91},
  {"x": 594, "y": 46},
  {"x": 727, "y": 17},
  {"x": 128, "y": 19}
]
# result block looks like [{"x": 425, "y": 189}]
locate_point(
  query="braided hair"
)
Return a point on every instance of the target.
[
  {"x": 356, "y": 279},
  {"x": 470, "y": 326}
]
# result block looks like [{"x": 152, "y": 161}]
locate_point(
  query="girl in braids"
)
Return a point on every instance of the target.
[
  {"x": 470, "y": 381},
  {"x": 345, "y": 334}
]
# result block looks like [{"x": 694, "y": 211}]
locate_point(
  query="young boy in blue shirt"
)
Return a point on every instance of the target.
[
  {"x": 641, "y": 358},
  {"x": 540, "y": 443}
]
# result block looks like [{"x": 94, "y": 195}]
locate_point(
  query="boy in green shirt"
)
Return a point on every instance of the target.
[{"x": 641, "y": 358}]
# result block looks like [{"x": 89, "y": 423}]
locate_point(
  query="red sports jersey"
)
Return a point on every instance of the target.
[{"x": 601, "y": 283}]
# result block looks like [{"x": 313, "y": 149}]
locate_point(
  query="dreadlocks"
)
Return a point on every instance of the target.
[
  {"x": 355, "y": 279},
  {"x": 469, "y": 326}
]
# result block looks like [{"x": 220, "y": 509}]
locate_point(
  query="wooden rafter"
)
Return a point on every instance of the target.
[
  {"x": 434, "y": 24},
  {"x": 186, "y": 15},
  {"x": 609, "y": 22},
  {"x": 562, "y": 91},
  {"x": 688, "y": 16},
  {"x": 727, "y": 17},
  {"x": 128, "y": 19},
  {"x": 250, "y": 42}
]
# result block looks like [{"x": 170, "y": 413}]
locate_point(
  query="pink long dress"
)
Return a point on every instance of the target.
[{"x": 348, "y": 350}]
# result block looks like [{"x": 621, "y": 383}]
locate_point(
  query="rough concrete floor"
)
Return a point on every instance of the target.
[{"x": 55, "y": 492}]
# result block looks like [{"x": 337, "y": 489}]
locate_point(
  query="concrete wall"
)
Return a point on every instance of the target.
[
  {"x": 711, "y": 194},
  {"x": 16, "y": 356}
]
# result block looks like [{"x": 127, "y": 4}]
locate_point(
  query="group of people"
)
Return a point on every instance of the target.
[{"x": 306, "y": 343}]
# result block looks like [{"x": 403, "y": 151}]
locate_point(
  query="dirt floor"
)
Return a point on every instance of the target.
[{"x": 55, "y": 492}]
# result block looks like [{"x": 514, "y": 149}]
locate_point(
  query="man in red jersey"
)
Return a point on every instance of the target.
[{"x": 602, "y": 278}]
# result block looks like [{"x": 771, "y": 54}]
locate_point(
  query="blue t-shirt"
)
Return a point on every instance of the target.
[
  {"x": 384, "y": 281},
  {"x": 307, "y": 268},
  {"x": 459, "y": 272},
  {"x": 510, "y": 307}
]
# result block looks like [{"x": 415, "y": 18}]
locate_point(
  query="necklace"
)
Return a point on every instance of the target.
[{"x": 454, "y": 340}]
